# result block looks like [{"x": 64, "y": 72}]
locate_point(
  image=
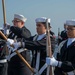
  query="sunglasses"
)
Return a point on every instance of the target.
[{"x": 16, "y": 21}]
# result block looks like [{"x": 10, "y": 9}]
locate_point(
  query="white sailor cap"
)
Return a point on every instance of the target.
[
  {"x": 42, "y": 19},
  {"x": 20, "y": 17},
  {"x": 70, "y": 22}
]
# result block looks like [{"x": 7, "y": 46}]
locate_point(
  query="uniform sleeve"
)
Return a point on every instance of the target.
[
  {"x": 35, "y": 45},
  {"x": 26, "y": 33},
  {"x": 21, "y": 32},
  {"x": 68, "y": 66}
]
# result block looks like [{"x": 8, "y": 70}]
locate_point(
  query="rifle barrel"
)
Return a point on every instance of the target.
[{"x": 48, "y": 47}]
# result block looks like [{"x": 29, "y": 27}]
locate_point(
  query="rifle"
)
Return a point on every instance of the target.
[{"x": 48, "y": 47}]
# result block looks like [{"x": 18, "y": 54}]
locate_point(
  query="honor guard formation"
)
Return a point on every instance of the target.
[{"x": 40, "y": 54}]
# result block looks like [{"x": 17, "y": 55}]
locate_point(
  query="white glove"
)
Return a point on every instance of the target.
[
  {"x": 16, "y": 45},
  {"x": 51, "y": 61},
  {"x": 11, "y": 48},
  {"x": 10, "y": 41},
  {"x": 6, "y": 28}
]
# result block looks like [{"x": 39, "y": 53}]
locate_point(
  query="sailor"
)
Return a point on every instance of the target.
[
  {"x": 63, "y": 34},
  {"x": 37, "y": 44},
  {"x": 17, "y": 32},
  {"x": 3, "y": 60},
  {"x": 65, "y": 64}
]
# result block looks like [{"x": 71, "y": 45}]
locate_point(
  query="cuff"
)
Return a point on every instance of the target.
[{"x": 59, "y": 64}]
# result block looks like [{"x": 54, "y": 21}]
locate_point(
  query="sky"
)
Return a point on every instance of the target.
[{"x": 57, "y": 10}]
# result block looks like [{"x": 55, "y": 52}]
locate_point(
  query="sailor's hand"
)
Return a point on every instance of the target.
[
  {"x": 10, "y": 41},
  {"x": 11, "y": 48},
  {"x": 14, "y": 46},
  {"x": 6, "y": 28},
  {"x": 17, "y": 45},
  {"x": 51, "y": 61}
]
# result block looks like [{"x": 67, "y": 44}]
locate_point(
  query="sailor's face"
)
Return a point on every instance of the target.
[
  {"x": 40, "y": 28},
  {"x": 71, "y": 32},
  {"x": 17, "y": 22}
]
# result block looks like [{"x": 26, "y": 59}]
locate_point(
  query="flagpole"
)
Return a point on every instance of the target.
[{"x": 4, "y": 12}]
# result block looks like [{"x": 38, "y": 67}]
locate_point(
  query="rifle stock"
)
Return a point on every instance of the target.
[{"x": 48, "y": 47}]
